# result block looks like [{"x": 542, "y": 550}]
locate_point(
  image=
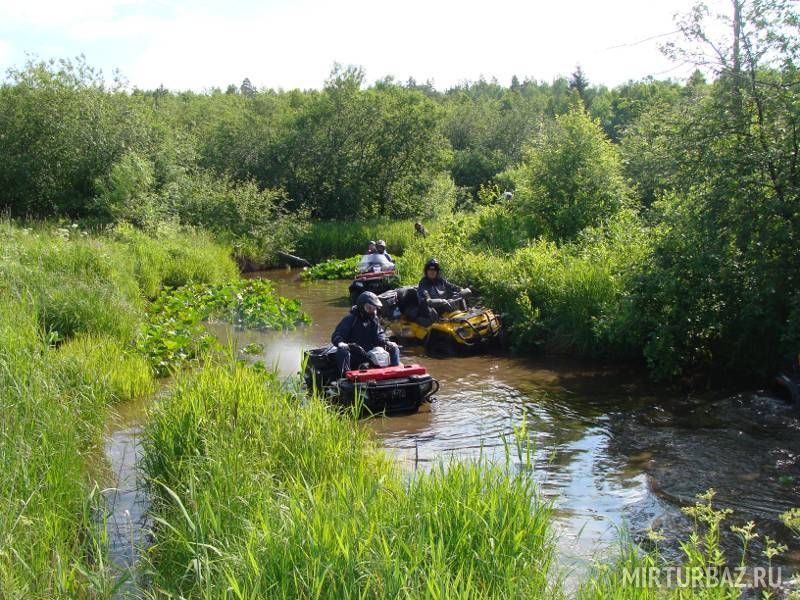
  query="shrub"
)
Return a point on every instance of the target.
[
  {"x": 254, "y": 221},
  {"x": 570, "y": 178}
]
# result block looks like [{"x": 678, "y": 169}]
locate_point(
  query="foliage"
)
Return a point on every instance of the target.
[
  {"x": 340, "y": 239},
  {"x": 364, "y": 153},
  {"x": 255, "y": 222},
  {"x": 333, "y": 269},
  {"x": 639, "y": 575},
  {"x": 721, "y": 292},
  {"x": 573, "y": 298},
  {"x": 270, "y": 496},
  {"x": 570, "y": 178},
  {"x": 174, "y": 332}
]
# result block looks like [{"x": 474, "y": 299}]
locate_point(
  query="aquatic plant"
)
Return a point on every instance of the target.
[
  {"x": 174, "y": 332},
  {"x": 334, "y": 268},
  {"x": 705, "y": 573}
]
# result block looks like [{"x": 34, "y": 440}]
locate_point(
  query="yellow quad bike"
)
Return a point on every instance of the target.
[{"x": 458, "y": 327}]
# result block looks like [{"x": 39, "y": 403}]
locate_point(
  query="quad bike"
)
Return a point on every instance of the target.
[
  {"x": 787, "y": 383},
  {"x": 455, "y": 326},
  {"x": 370, "y": 389},
  {"x": 375, "y": 274}
]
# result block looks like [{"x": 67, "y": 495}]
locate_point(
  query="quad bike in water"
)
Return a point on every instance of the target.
[
  {"x": 371, "y": 389},
  {"x": 457, "y": 327},
  {"x": 376, "y": 274},
  {"x": 787, "y": 384}
]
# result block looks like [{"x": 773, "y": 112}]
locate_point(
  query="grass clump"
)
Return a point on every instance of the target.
[
  {"x": 102, "y": 360},
  {"x": 341, "y": 239},
  {"x": 259, "y": 495}
]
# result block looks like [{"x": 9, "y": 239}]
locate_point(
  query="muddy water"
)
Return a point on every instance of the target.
[{"x": 611, "y": 451}]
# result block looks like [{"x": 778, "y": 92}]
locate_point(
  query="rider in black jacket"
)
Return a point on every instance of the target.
[
  {"x": 359, "y": 332},
  {"x": 434, "y": 287}
]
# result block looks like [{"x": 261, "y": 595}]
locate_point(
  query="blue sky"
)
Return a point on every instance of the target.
[{"x": 200, "y": 44}]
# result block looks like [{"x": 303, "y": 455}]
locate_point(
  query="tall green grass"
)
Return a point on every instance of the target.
[
  {"x": 259, "y": 495},
  {"x": 71, "y": 304},
  {"x": 337, "y": 239}
]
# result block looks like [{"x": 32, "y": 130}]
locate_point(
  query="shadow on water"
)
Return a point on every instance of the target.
[{"x": 612, "y": 451}]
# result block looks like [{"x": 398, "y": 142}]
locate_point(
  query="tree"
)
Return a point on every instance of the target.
[
  {"x": 579, "y": 83},
  {"x": 722, "y": 291},
  {"x": 570, "y": 178},
  {"x": 247, "y": 88}
]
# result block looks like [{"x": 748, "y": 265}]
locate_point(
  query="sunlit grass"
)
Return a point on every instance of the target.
[
  {"x": 260, "y": 495},
  {"x": 71, "y": 304},
  {"x": 343, "y": 239}
]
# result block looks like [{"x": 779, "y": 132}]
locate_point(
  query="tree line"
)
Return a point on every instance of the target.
[{"x": 707, "y": 169}]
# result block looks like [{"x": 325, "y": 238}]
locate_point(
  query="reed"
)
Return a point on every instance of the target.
[
  {"x": 71, "y": 304},
  {"x": 261, "y": 495},
  {"x": 337, "y": 239}
]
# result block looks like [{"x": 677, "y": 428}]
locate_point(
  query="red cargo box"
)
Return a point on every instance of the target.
[
  {"x": 385, "y": 373},
  {"x": 375, "y": 275}
]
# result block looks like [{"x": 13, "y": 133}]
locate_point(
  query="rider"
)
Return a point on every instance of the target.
[
  {"x": 435, "y": 288},
  {"x": 359, "y": 332},
  {"x": 380, "y": 248},
  {"x": 371, "y": 247}
]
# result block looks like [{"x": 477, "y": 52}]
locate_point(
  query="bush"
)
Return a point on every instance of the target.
[
  {"x": 570, "y": 178},
  {"x": 255, "y": 222},
  {"x": 127, "y": 193},
  {"x": 572, "y": 299}
]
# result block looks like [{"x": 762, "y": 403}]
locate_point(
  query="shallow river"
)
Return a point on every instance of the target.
[{"x": 611, "y": 451}]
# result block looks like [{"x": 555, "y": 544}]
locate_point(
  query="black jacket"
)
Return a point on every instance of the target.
[
  {"x": 439, "y": 289},
  {"x": 354, "y": 329}
]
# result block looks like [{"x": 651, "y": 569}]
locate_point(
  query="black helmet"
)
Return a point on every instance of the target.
[
  {"x": 432, "y": 264},
  {"x": 368, "y": 298}
]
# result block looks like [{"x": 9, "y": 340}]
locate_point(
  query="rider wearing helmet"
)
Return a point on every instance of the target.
[
  {"x": 371, "y": 247},
  {"x": 380, "y": 248},
  {"x": 433, "y": 288},
  {"x": 359, "y": 332}
]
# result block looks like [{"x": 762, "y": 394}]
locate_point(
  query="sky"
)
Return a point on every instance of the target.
[{"x": 201, "y": 44}]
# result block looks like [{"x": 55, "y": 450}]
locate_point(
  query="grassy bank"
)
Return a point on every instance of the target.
[
  {"x": 571, "y": 299},
  {"x": 337, "y": 239},
  {"x": 263, "y": 496},
  {"x": 72, "y": 306}
]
